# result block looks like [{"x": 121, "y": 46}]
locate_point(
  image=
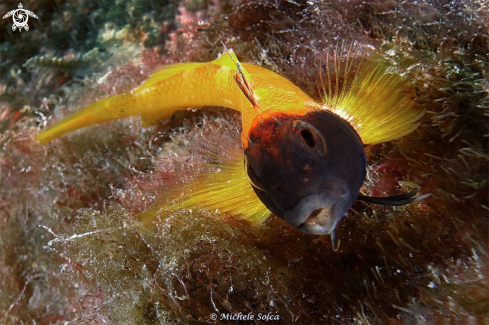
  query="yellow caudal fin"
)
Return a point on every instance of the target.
[
  {"x": 367, "y": 91},
  {"x": 224, "y": 187}
]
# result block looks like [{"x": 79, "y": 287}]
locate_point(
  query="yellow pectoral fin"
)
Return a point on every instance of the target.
[
  {"x": 365, "y": 90},
  {"x": 228, "y": 191}
]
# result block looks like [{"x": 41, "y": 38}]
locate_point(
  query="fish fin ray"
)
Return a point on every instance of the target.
[
  {"x": 366, "y": 90},
  {"x": 224, "y": 187}
]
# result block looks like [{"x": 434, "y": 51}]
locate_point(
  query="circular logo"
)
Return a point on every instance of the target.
[{"x": 20, "y": 17}]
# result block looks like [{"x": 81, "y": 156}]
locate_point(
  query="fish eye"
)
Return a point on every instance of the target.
[{"x": 311, "y": 137}]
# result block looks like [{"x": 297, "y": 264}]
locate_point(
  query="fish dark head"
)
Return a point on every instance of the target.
[{"x": 307, "y": 169}]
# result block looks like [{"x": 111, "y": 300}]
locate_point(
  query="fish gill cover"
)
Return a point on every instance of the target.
[{"x": 72, "y": 251}]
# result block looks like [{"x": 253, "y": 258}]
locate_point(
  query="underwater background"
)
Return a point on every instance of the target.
[{"x": 72, "y": 251}]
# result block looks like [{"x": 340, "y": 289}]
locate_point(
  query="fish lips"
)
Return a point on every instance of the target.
[{"x": 318, "y": 213}]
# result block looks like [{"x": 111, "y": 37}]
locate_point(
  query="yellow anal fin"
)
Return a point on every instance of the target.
[
  {"x": 367, "y": 91},
  {"x": 227, "y": 190}
]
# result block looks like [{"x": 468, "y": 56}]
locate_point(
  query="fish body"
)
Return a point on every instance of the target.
[
  {"x": 300, "y": 160},
  {"x": 178, "y": 86}
]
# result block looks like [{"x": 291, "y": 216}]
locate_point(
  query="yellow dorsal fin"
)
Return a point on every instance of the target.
[
  {"x": 367, "y": 91},
  {"x": 224, "y": 186},
  {"x": 227, "y": 59}
]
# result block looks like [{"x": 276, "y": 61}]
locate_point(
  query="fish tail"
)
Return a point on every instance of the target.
[
  {"x": 170, "y": 88},
  {"x": 104, "y": 110}
]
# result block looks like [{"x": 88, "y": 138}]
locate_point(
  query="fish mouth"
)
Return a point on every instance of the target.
[{"x": 318, "y": 214}]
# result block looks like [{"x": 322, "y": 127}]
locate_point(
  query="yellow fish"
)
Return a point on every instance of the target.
[{"x": 301, "y": 160}]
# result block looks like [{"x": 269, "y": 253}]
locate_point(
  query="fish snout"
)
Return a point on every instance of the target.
[{"x": 318, "y": 213}]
